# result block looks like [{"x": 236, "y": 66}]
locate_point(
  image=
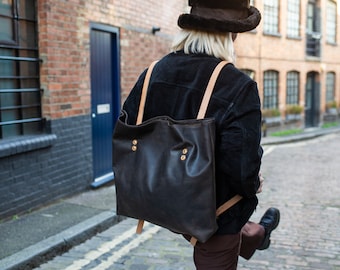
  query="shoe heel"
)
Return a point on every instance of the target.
[{"x": 265, "y": 244}]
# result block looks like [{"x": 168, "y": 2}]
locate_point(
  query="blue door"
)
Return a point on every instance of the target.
[{"x": 105, "y": 98}]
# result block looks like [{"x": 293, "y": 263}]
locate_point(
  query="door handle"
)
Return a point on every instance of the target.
[{"x": 93, "y": 115}]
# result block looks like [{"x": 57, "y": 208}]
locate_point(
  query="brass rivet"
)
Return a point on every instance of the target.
[
  {"x": 185, "y": 151},
  {"x": 134, "y": 148},
  {"x": 183, "y": 157},
  {"x": 134, "y": 142}
]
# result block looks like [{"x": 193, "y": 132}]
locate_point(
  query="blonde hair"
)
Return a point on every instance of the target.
[{"x": 217, "y": 45}]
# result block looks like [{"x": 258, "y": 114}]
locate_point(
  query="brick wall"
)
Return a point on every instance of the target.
[
  {"x": 64, "y": 46},
  {"x": 64, "y": 50},
  {"x": 33, "y": 173},
  {"x": 37, "y": 177},
  {"x": 150, "y": 48}
]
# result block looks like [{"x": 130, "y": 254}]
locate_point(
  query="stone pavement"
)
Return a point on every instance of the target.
[
  {"x": 120, "y": 248},
  {"x": 40, "y": 235}
]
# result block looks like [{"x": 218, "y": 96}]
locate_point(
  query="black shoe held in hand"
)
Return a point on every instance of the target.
[{"x": 270, "y": 220}]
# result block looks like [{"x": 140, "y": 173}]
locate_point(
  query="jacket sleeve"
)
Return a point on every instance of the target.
[{"x": 240, "y": 152}]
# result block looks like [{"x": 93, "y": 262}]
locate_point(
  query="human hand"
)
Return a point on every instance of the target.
[{"x": 261, "y": 183}]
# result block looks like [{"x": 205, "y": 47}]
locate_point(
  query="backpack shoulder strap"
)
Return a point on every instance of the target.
[
  {"x": 144, "y": 93},
  {"x": 209, "y": 90},
  {"x": 205, "y": 100}
]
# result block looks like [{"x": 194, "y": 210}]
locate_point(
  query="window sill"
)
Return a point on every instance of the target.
[
  {"x": 311, "y": 58},
  {"x": 334, "y": 44},
  {"x": 270, "y": 34},
  {"x": 14, "y": 146},
  {"x": 298, "y": 38}
]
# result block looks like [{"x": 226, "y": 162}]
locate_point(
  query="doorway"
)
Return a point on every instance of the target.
[
  {"x": 105, "y": 98},
  {"x": 312, "y": 100}
]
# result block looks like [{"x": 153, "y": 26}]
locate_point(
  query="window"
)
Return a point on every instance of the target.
[
  {"x": 311, "y": 17},
  {"x": 271, "y": 17},
  {"x": 313, "y": 29},
  {"x": 293, "y": 18},
  {"x": 293, "y": 85},
  {"x": 20, "y": 101},
  {"x": 331, "y": 22},
  {"x": 330, "y": 87},
  {"x": 270, "y": 90}
]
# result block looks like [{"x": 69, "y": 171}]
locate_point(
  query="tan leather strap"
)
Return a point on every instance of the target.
[
  {"x": 193, "y": 241},
  {"x": 205, "y": 100},
  {"x": 209, "y": 90},
  {"x": 140, "y": 226},
  {"x": 144, "y": 93},
  {"x": 224, "y": 207},
  {"x": 140, "y": 119}
]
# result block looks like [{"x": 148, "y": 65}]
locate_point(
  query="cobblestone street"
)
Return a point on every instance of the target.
[{"x": 301, "y": 179}]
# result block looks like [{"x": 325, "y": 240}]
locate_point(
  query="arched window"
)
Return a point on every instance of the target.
[
  {"x": 293, "y": 86},
  {"x": 330, "y": 87},
  {"x": 270, "y": 89}
]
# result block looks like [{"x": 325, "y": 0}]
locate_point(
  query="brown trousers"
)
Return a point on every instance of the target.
[{"x": 221, "y": 252}]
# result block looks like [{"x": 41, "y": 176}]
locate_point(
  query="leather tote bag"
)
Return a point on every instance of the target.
[{"x": 165, "y": 168}]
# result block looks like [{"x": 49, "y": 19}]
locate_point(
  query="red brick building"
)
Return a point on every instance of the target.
[
  {"x": 294, "y": 55},
  {"x": 66, "y": 66}
]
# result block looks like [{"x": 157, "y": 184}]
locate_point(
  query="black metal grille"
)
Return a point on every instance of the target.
[{"x": 20, "y": 94}]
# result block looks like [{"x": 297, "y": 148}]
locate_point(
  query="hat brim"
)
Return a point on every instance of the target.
[{"x": 194, "y": 22}]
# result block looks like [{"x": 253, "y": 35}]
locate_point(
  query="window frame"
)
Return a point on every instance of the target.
[
  {"x": 313, "y": 29},
  {"x": 293, "y": 88},
  {"x": 20, "y": 93},
  {"x": 330, "y": 86},
  {"x": 293, "y": 18},
  {"x": 270, "y": 90},
  {"x": 331, "y": 22},
  {"x": 271, "y": 17}
]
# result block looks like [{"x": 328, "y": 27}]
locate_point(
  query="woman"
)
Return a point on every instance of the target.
[{"x": 176, "y": 89}]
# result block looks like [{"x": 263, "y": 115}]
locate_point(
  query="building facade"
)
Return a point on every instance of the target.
[
  {"x": 294, "y": 56},
  {"x": 66, "y": 66}
]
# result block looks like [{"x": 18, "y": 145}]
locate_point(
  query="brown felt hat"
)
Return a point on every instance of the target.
[{"x": 219, "y": 16}]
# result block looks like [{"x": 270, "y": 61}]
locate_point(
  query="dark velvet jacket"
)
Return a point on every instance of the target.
[{"x": 176, "y": 89}]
